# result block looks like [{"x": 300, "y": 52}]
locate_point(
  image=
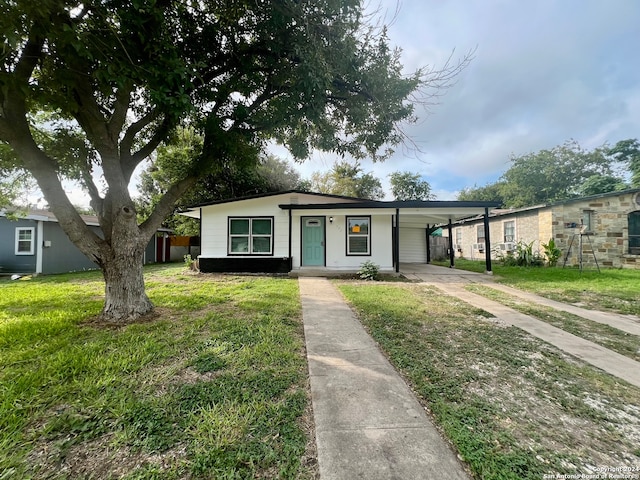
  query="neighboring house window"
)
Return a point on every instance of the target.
[
  {"x": 634, "y": 233},
  {"x": 509, "y": 231},
  {"x": 358, "y": 236},
  {"x": 25, "y": 240},
  {"x": 458, "y": 238},
  {"x": 480, "y": 233},
  {"x": 587, "y": 220},
  {"x": 251, "y": 236}
]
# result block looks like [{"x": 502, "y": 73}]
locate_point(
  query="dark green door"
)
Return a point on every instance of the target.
[{"x": 313, "y": 241}]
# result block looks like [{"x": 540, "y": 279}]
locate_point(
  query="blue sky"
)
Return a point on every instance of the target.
[{"x": 544, "y": 72}]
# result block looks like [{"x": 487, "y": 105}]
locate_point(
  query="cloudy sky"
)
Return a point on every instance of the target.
[{"x": 543, "y": 72}]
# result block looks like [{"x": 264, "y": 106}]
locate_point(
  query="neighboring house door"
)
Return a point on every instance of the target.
[{"x": 313, "y": 244}]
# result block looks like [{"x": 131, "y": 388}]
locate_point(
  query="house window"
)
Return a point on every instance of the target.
[
  {"x": 458, "y": 238},
  {"x": 480, "y": 233},
  {"x": 251, "y": 236},
  {"x": 25, "y": 240},
  {"x": 358, "y": 236},
  {"x": 587, "y": 221},
  {"x": 509, "y": 231},
  {"x": 634, "y": 233}
]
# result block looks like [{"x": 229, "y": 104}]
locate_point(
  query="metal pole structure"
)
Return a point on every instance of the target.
[
  {"x": 580, "y": 252},
  {"x": 487, "y": 241},
  {"x": 428, "y": 245},
  {"x": 451, "y": 252},
  {"x": 397, "y": 240}
]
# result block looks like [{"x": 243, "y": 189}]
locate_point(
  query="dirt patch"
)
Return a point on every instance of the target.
[
  {"x": 586, "y": 428},
  {"x": 157, "y": 314},
  {"x": 98, "y": 458}
]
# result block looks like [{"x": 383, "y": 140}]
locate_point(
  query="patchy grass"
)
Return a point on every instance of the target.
[
  {"x": 514, "y": 406},
  {"x": 214, "y": 387},
  {"x": 616, "y": 290},
  {"x": 609, "y": 337}
]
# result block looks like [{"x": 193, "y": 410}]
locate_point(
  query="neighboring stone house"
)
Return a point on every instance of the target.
[{"x": 609, "y": 224}]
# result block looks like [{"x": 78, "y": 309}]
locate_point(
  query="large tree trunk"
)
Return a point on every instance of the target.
[{"x": 125, "y": 297}]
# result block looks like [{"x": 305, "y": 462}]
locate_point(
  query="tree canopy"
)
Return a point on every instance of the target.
[
  {"x": 122, "y": 75},
  {"x": 563, "y": 172},
  {"x": 410, "y": 186},
  {"x": 228, "y": 180},
  {"x": 348, "y": 180}
]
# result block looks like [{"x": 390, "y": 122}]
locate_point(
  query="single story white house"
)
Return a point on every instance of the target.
[{"x": 305, "y": 233}]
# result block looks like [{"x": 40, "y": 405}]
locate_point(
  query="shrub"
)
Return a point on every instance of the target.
[
  {"x": 552, "y": 252},
  {"x": 523, "y": 256},
  {"x": 369, "y": 271},
  {"x": 190, "y": 263}
]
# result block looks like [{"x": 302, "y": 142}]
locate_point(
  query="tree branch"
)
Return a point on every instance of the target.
[
  {"x": 90, "y": 117},
  {"x": 31, "y": 54},
  {"x": 165, "y": 206},
  {"x": 43, "y": 169},
  {"x": 134, "y": 129},
  {"x": 120, "y": 109}
]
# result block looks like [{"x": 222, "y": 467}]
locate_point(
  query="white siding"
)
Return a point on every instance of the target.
[
  {"x": 413, "y": 245},
  {"x": 336, "y": 239},
  {"x": 215, "y": 224}
]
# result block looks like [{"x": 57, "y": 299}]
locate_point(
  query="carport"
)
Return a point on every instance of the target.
[{"x": 415, "y": 217}]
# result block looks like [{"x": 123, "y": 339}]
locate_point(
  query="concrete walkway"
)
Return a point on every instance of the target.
[
  {"x": 369, "y": 424},
  {"x": 594, "y": 354},
  {"x": 626, "y": 323}
]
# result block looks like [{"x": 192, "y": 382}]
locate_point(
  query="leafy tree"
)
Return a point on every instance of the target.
[
  {"x": 229, "y": 180},
  {"x": 548, "y": 176},
  {"x": 348, "y": 180},
  {"x": 552, "y": 175},
  {"x": 14, "y": 183},
  {"x": 410, "y": 186},
  {"x": 122, "y": 75},
  {"x": 491, "y": 192},
  {"x": 628, "y": 151},
  {"x": 597, "y": 184}
]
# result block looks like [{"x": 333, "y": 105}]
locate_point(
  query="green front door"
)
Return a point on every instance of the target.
[{"x": 313, "y": 241}]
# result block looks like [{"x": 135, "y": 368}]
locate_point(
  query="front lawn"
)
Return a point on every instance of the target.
[
  {"x": 514, "y": 406},
  {"x": 214, "y": 387},
  {"x": 616, "y": 290},
  {"x": 609, "y": 337}
]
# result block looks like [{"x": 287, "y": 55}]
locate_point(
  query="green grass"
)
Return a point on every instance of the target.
[
  {"x": 609, "y": 337},
  {"x": 514, "y": 406},
  {"x": 214, "y": 387},
  {"x": 616, "y": 290}
]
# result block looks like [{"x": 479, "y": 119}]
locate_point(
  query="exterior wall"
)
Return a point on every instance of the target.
[
  {"x": 527, "y": 229},
  {"x": 609, "y": 241},
  {"x": 150, "y": 251},
  {"x": 214, "y": 221},
  {"x": 9, "y": 261},
  {"x": 214, "y": 236},
  {"x": 62, "y": 255},
  {"x": 52, "y": 247},
  {"x": 336, "y": 257}
]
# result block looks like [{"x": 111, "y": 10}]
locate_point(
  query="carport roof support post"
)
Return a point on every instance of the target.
[
  {"x": 487, "y": 242},
  {"x": 451, "y": 252}
]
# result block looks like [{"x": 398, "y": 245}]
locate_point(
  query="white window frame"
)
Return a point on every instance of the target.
[
  {"x": 458, "y": 238},
  {"x": 32, "y": 240},
  {"x": 359, "y": 235},
  {"x": 249, "y": 236},
  {"x": 504, "y": 231},
  {"x": 587, "y": 221}
]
